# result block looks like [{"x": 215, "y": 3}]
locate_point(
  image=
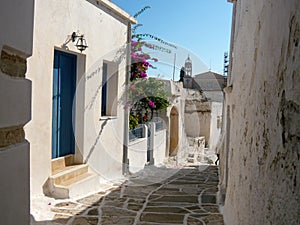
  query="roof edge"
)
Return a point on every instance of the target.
[{"x": 116, "y": 9}]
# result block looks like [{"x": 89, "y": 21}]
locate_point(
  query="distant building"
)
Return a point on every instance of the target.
[
  {"x": 188, "y": 67},
  {"x": 188, "y": 72},
  {"x": 207, "y": 112},
  {"x": 211, "y": 84}
]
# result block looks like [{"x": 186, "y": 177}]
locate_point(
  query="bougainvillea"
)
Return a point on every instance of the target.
[{"x": 146, "y": 95}]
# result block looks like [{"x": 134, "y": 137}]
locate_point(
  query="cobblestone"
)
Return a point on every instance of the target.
[{"x": 185, "y": 196}]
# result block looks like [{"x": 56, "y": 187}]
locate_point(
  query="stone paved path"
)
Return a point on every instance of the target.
[{"x": 159, "y": 196}]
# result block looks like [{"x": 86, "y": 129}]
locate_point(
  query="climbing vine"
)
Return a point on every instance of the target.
[{"x": 145, "y": 95}]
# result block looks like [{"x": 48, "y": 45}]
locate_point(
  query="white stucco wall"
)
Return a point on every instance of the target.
[
  {"x": 15, "y": 100},
  {"x": 137, "y": 152},
  {"x": 215, "y": 131},
  {"x": 159, "y": 147},
  {"x": 192, "y": 124},
  {"x": 179, "y": 95},
  {"x": 99, "y": 142},
  {"x": 262, "y": 156}
]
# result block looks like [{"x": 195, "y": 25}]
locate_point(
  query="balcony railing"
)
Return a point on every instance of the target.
[
  {"x": 159, "y": 125},
  {"x": 136, "y": 133}
]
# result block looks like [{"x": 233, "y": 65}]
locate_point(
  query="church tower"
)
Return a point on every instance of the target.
[{"x": 188, "y": 67}]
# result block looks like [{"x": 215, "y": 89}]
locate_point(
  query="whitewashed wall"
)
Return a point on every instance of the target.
[
  {"x": 215, "y": 129},
  {"x": 263, "y": 102},
  {"x": 16, "y": 24},
  {"x": 137, "y": 152},
  {"x": 99, "y": 142},
  {"x": 159, "y": 147}
]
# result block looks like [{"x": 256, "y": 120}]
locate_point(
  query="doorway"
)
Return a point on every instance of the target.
[
  {"x": 174, "y": 132},
  {"x": 64, "y": 81}
]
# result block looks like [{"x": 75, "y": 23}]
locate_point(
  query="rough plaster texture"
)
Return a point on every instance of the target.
[
  {"x": 263, "y": 122},
  {"x": 15, "y": 194},
  {"x": 99, "y": 141},
  {"x": 15, "y": 99},
  {"x": 215, "y": 128},
  {"x": 137, "y": 152},
  {"x": 159, "y": 147},
  {"x": 201, "y": 120},
  {"x": 179, "y": 95}
]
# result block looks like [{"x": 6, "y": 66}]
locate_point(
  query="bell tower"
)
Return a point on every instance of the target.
[{"x": 188, "y": 67}]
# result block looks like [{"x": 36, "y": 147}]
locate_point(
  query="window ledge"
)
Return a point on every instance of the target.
[{"x": 107, "y": 118}]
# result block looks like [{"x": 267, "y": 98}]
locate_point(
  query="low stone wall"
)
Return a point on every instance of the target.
[
  {"x": 159, "y": 147},
  {"x": 137, "y": 152}
]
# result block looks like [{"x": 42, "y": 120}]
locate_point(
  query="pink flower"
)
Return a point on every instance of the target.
[
  {"x": 127, "y": 105},
  {"x": 133, "y": 55},
  {"x": 134, "y": 43},
  {"x": 143, "y": 74},
  {"x": 132, "y": 87},
  {"x": 151, "y": 104}
]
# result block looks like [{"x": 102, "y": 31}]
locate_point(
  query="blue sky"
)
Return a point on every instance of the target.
[{"x": 200, "y": 28}]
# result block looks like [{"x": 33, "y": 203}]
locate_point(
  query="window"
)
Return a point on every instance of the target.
[{"x": 109, "y": 89}]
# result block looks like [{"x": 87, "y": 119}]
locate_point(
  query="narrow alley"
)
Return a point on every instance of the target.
[{"x": 155, "y": 195}]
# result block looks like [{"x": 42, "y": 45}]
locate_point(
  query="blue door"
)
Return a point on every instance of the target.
[{"x": 64, "y": 80}]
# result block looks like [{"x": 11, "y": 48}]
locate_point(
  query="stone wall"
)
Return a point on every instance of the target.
[
  {"x": 15, "y": 110},
  {"x": 260, "y": 161}
]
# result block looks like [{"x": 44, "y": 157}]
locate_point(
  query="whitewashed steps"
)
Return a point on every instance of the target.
[{"x": 69, "y": 180}]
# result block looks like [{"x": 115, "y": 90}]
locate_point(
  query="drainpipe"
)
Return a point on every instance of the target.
[{"x": 125, "y": 161}]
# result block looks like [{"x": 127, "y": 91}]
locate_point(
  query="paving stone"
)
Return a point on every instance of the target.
[
  {"x": 136, "y": 201},
  {"x": 167, "y": 191},
  {"x": 116, "y": 203},
  {"x": 212, "y": 219},
  {"x": 208, "y": 199},
  {"x": 211, "y": 208},
  {"x": 174, "y": 204},
  {"x": 136, "y": 193},
  {"x": 61, "y": 219},
  {"x": 172, "y": 199},
  {"x": 94, "y": 199},
  {"x": 167, "y": 209},
  {"x": 117, "y": 220},
  {"x": 193, "y": 221},
  {"x": 177, "y": 198},
  {"x": 93, "y": 212},
  {"x": 192, "y": 191},
  {"x": 85, "y": 221},
  {"x": 162, "y": 218},
  {"x": 211, "y": 190},
  {"x": 114, "y": 211},
  {"x": 134, "y": 207}
]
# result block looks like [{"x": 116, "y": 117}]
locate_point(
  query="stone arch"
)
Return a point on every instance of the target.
[{"x": 174, "y": 132}]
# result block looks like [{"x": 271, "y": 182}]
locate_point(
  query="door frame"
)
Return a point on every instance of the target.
[{"x": 55, "y": 153}]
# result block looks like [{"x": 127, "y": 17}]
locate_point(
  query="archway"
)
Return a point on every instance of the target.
[{"x": 174, "y": 125}]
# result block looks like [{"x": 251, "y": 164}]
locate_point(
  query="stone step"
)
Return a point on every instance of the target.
[
  {"x": 69, "y": 173},
  {"x": 69, "y": 180},
  {"x": 77, "y": 186},
  {"x": 191, "y": 155},
  {"x": 190, "y": 160},
  {"x": 60, "y": 163}
]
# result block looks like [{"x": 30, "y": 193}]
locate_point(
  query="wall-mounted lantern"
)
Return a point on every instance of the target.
[{"x": 81, "y": 42}]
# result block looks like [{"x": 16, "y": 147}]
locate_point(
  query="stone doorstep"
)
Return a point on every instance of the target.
[
  {"x": 59, "y": 164},
  {"x": 69, "y": 180},
  {"x": 69, "y": 173}
]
